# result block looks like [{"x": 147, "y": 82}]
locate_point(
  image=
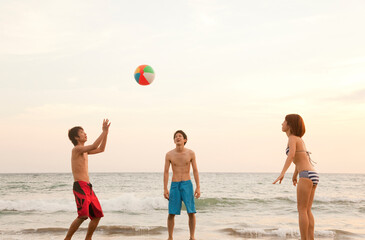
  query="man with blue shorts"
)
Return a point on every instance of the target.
[{"x": 181, "y": 189}]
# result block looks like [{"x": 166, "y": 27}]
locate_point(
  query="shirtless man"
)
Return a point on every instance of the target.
[
  {"x": 181, "y": 189},
  {"x": 88, "y": 205}
]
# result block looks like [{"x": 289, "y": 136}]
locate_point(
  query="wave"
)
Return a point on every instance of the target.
[
  {"x": 133, "y": 203},
  {"x": 243, "y": 232},
  {"x": 39, "y": 205},
  {"x": 123, "y": 203},
  {"x": 132, "y": 230},
  {"x": 248, "y": 232},
  {"x": 107, "y": 230},
  {"x": 128, "y": 202},
  {"x": 268, "y": 200},
  {"x": 337, "y": 200},
  {"x": 217, "y": 202}
]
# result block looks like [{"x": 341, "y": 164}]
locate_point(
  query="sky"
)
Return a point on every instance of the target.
[{"x": 227, "y": 73}]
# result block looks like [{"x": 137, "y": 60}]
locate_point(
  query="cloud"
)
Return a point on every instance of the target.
[
  {"x": 357, "y": 96},
  {"x": 60, "y": 111},
  {"x": 34, "y": 28}
]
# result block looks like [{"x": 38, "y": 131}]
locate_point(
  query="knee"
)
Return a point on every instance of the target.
[
  {"x": 311, "y": 223},
  {"x": 171, "y": 216},
  {"x": 191, "y": 215},
  {"x": 302, "y": 208},
  {"x": 83, "y": 218}
]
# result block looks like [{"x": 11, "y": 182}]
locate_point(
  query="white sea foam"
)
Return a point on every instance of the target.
[
  {"x": 280, "y": 232},
  {"x": 130, "y": 202},
  {"x": 40, "y": 205},
  {"x": 127, "y": 202},
  {"x": 285, "y": 232},
  {"x": 336, "y": 199}
]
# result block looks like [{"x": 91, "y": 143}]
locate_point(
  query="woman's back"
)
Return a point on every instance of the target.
[{"x": 301, "y": 158}]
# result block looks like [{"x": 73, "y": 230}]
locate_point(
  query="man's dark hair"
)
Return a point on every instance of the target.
[
  {"x": 182, "y": 133},
  {"x": 73, "y": 133}
]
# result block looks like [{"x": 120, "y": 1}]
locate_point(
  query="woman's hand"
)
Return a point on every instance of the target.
[
  {"x": 295, "y": 180},
  {"x": 280, "y": 178}
]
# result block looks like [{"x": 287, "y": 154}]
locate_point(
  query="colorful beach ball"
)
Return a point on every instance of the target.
[{"x": 144, "y": 75}]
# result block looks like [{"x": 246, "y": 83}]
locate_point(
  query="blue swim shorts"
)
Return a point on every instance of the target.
[{"x": 181, "y": 191}]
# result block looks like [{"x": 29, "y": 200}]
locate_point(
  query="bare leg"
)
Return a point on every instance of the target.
[
  {"x": 304, "y": 190},
  {"x": 192, "y": 222},
  {"x": 310, "y": 215},
  {"x": 74, "y": 226},
  {"x": 170, "y": 225},
  {"x": 92, "y": 226}
]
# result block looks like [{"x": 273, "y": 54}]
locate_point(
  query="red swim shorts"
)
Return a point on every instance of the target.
[{"x": 86, "y": 200}]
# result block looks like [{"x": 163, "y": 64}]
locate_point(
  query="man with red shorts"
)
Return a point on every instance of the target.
[{"x": 88, "y": 205}]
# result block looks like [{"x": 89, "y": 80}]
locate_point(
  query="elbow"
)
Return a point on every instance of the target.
[{"x": 290, "y": 158}]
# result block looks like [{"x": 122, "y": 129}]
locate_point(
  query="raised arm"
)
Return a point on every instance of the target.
[
  {"x": 289, "y": 159},
  {"x": 88, "y": 148},
  {"x": 166, "y": 176},
  {"x": 196, "y": 175},
  {"x": 101, "y": 148}
]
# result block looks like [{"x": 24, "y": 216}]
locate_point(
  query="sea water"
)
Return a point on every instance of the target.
[{"x": 231, "y": 206}]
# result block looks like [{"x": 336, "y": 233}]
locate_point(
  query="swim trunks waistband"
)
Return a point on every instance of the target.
[
  {"x": 84, "y": 182},
  {"x": 182, "y": 181}
]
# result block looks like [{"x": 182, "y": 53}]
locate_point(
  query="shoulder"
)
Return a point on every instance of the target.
[
  {"x": 169, "y": 153},
  {"x": 75, "y": 149},
  {"x": 191, "y": 152},
  {"x": 78, "y": 149}
]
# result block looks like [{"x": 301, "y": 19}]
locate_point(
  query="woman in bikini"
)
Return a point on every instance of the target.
[{"x": 297, "y": 153}]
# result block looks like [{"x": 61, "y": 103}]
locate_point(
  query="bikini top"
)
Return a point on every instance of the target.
[{"x": 287, "y": 151}]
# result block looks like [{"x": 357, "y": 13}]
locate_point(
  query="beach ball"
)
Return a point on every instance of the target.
[{"x": 144, "y": 75}]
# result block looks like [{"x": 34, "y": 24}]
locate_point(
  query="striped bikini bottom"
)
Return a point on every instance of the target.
[{"x": 311, "y": 175}]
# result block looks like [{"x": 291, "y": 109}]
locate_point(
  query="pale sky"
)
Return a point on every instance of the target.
[{"x": 227, "y": 73}]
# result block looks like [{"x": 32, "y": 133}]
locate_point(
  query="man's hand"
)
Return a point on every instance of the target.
[
  {"x": 106, "y": 125},
  {"x": 166, "y": 194},
  {"x": 197, "y": 192},
  {"x": 280, "y": 178}
]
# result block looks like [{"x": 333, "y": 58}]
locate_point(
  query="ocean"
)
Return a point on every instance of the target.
[{"x": 232, "y": 206}]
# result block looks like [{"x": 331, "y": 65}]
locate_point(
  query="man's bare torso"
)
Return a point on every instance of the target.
[
  {"x": 79, "y": 163},
  {"x": 180, "y": 162}
]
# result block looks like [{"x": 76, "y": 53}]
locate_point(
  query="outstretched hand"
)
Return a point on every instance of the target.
[
  {"x": 280, "y": 178},
  {"x": 106, "y": 125}
]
